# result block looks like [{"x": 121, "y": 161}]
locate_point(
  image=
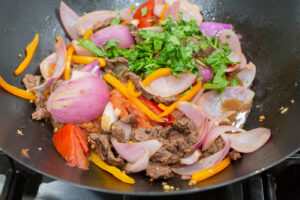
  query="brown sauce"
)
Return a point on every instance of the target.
[{"x": 241, "y": 109}]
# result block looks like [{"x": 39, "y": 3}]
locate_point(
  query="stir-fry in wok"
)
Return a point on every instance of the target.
[{"x": 158, "y": 90}]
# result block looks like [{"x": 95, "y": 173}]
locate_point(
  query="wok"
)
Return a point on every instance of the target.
[{"x": 270, "y": 38}]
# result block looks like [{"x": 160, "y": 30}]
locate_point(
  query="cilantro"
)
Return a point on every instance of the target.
[
  {"x": 116, "y": 20},
  {"x": 90, "y": 46},
  {"x": 227, "y": 36},
  {"x": 111, "y": 43},
  {"x": 234, "y": 82},
  {"x": 204, "y": 45},
  {"x": 144, "y": 11}
]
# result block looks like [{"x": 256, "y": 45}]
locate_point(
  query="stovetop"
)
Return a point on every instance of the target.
[{"x": 279, "y": 182}]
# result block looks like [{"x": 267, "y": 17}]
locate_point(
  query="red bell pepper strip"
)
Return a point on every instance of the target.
[{"x": 145, "y": 20}]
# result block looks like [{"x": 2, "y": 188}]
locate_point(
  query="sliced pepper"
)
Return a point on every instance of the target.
[
  {"x": 111, "y": 169},
  {"x": 185, "y": 97},
  {"x": 88, "y": 34},
  {"x": 162, "y": 106},
  {"x": 68, "y": 62},
  {"x": 131, "y": 89},
  {"x": 202, "y": 175},
  {"x": 30, "y": 49},
  {"x": 87, "y": 60},
  {"x": 163, "y": 13},
  {"x": 16, "y": 91},
  {"x": 156, "y": 74},
  {"x": 123, "y": 89}
]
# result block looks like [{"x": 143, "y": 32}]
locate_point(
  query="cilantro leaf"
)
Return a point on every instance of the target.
[
  {"x": 111, "y": 43},
  {"x": 116, "y": 20},
  {"x": 144, "y": 11},
  {"x": 234, "y": 81},
  {"x": 90, "y": 46}
]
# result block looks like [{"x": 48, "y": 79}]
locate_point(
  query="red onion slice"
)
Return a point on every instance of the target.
[
  {"x": 210, "y": 103},
  {"x": 116, "y": 32},
  {"x": 80, "y": 50},
  {"x": 88, "y": 20},
  {"x": 192, "y": 112},
  {"x": 213, "y": 28},
  {"x": 202, "y": 133},
  {"x": 192, "y": 158},
  {"x": 247, "y": 75},
  {"x": 216, "y": 121},
  {"x": 204, "y": 163},
  {"x": 61, "y": 53},
  {"x": 229, "y": 37},
  {"x": 45, "y": 65},
  {"x": 79, "y": 100},
  {"x": 93, "y": 68},
  {"x": 173, "y": 85},
  {"x": 206, "y": 72},
  {"x": 197, "y": 97},
  {"x": 140, "y": 165},
  {"x": 69, "y": 20},
  {"x": 249, "y": 141},
  {"x": 133, "y": 152},
  {"x": 216, "y": 132}
]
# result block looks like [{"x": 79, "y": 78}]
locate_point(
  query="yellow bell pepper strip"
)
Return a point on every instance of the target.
[
  {"x": 87, "y": 60},
  {"x": 132, "y": 8},
  {"x": 124, "y": 90},
  {"x": 131, "y": 89},
  {"x": 30, "y": 49},
  {"x": 185, "y": 97},
  {"x": 125, "y": 22},
  {"x": 47, "y": 92},
  {"x": 162, "y": 106},
  {"x": 163, "y": 13},
  {"x": 16, "y": 91},
  {"x": 111, "y": 169},
  {"x": 202, "y": 175},
  {"x": 156, "y": 74},
  {"x": 88, "y": 34},
  {"x": 68, "y": 62}
]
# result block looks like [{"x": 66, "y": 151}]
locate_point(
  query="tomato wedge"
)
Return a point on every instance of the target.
[
  {"x": 145, "y": 17},
  {"x": 72, "y": 145}
]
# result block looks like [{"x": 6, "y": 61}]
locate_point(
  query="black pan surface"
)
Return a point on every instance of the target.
[{"x": 270, "y": 38}]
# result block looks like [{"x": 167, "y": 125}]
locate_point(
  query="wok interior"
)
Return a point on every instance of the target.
[{"x": 269, "y": 38}]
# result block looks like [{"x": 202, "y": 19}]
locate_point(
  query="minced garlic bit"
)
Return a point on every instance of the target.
[
  {"x": 292, "y": 101},
  {"x": 151, "y": 179},
  {"x": 258, "y": 106},
  {"x": 117, "y": 112},
  {"x": 177, "y": 188},
  {"x": 56, "y": 129},
  {"x": 30, "y": 101},
  {"x": 168, "y": 187},
  {"x": 191, "y": 182},
  {"x": 20, "y": 132},
  {"x": 40, "y": 149},
  {"x": 284, "y": 110},
  {"x": 20, "y": 55},
  {"x": 24, "y": 152},
  {"x": 93, "y": 146},
  {"x": 216, "y": 123},
  {"x": 201, "y": 161},
  {"x": 262, "y": 118}
]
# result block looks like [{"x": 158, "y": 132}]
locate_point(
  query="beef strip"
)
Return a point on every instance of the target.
[
  {"x": 31, "y": 81},
  {"x": 104, "y": 149},
  {"x": 140, "y": 135},
  {"x": 137, "y": 80},
  {"x": 102, "y": 24},
  {"x": 184, "y": 125},
  {"x": 235, "y": 155},
  {"x": 117, "y": 132},
  {"x": 215, "y": 147},
  {"x": 157, "y": 171}
]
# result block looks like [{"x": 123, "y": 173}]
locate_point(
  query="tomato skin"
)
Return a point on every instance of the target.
[
  {"x": 148, "y": 19},
  {"x": 71, "y": 143}
]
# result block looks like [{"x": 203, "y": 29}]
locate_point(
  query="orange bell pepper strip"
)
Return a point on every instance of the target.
[
  {"x": 87, "y": 60},
  {"x": 163, "y": 13},
  {"x": 202, "y": 175},
  {"x": 16, "y": 91},
  {"x": 68, "y": 62},
  {"x": 124, "y": 90},
  {"x": 185, "y": 97},
  {"x": 131, "y": 89},
  {"x": 30, "y": 49},
  {"x": 111, "y": 169},
  {"x": 156, "y": 74},
  {"x": 125, "y": 22},
  {"x": 88, "y": 34},
  {"x": 162, "y": 106}
]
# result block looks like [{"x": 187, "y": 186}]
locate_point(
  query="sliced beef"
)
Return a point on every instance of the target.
[
  {"x": 31, "y": 81},
  {"x": 91, "y": 126},
  {"x": 184, "y": 125},
  {"x": 179, "y": 144},
  {"x": 158, "y": 171},
  {"x": 177, "y": 114},
  {"x": 140, "y": 135},
  {"x": 102, "y": 24},
  {"x": 129, "y": 119},
  {"x": 40, "y": 102},
  {"x": 235, "y": 155},
  {"x": 137, "y": 80},
  {"x": 117, "y": 132},
  {"x": 104, "y": 149},
  {"x": 215, "y": 147},
  {"x": 165, "y": 157}
]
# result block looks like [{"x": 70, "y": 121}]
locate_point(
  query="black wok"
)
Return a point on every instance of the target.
[{"x": 270, "y": 31}]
